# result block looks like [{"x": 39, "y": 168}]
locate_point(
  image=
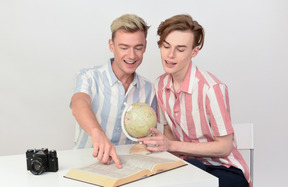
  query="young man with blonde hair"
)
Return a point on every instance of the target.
[
  {"x": 194, "y": 107},
  {"x": 100, "y": 92}
]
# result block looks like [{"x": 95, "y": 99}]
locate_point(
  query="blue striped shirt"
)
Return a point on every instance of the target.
[{"x": 107, "y": 96}]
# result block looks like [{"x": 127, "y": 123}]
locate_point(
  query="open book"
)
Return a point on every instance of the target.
[{"x": 134, "y": 167}]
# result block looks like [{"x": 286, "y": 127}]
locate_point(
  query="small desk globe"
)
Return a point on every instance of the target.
[{"x": 136, "y": 122}]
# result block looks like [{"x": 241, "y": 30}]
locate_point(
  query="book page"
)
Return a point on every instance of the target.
[{"x": 131, "y": 164}]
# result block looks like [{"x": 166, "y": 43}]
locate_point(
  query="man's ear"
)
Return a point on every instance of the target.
[
  {"x": 195, "y": 51},
  {"x": 111, "y": 45},
  {"x": 145, "y": 45}
]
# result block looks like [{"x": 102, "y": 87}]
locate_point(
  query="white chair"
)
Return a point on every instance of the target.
[{"x": 244, "y": 135}]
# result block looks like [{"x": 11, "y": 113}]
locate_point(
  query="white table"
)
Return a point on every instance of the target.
[{"x": 13, "y": 172}]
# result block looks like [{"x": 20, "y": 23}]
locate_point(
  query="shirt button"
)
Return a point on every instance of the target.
[{"x": 176, "y": 114}]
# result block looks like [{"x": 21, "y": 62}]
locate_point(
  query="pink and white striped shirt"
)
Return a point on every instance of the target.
[{"x": 198, "y": 112}]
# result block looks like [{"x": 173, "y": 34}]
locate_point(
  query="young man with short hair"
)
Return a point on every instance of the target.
[
  {"x": 193, "y": 106},
  {"x": 101, "y": 91}
]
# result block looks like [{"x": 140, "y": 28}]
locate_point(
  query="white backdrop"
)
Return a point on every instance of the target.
[{"x": 44, "y": 43}]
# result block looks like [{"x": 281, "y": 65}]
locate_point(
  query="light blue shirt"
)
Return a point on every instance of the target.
[{"x": 108, "y": 96}]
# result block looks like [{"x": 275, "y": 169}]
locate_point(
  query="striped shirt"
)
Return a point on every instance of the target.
[
  {"x": 108, "y": 96},
  {"x": 198, "y": 112}
]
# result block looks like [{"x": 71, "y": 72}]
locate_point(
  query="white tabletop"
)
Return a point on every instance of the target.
[{"x": 13, "y": 172}]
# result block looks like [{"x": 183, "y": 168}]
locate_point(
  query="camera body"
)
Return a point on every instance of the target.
[{"x": 41, "y": 160}]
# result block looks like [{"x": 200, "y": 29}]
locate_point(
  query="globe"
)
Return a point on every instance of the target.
[{"x": 137, "y": 120}]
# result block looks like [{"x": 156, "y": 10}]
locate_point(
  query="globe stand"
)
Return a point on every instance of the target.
[{"x": 139, "y": 147}]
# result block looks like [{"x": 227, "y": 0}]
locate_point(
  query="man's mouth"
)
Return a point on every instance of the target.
[
  {"x": 129, "y": 62},
  {"x": 170, "y": 63}
]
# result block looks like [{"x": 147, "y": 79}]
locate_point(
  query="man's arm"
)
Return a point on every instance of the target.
[
  {"x": 102, "y": 147},
  {"x": 220, "y": 147}
]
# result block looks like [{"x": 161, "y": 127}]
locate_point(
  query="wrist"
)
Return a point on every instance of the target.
[
  {"x": 96, "y": 132},
  {"x": 171, "y": 145}
]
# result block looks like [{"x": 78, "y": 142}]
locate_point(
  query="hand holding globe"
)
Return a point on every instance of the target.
[{"x": 137, "y": 119}]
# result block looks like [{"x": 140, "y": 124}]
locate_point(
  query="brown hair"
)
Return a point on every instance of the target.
[
  {"x": 182, "y": 22},
  {"x": 129, "y": 23}
]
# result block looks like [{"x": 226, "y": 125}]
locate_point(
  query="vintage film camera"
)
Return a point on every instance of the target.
[{"x": 41, "y": 160}]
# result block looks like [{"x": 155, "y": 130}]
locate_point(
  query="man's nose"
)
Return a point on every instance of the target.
[
  {"x": 132, "y": 54},
  {"x": 171, "y": 53}
]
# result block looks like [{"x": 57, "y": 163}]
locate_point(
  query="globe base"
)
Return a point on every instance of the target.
[{"x": 139, "y": 148}]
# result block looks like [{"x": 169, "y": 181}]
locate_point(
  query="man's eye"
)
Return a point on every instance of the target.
[
  {"x": 181, "y": 49},
  {"x": 123, "y": 48},
  {"x": 139, "y": 48}
]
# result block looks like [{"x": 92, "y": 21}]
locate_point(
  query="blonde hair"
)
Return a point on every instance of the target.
[
  {"x": 182, "y": 22},
  {"x": 129, "y": 23}
]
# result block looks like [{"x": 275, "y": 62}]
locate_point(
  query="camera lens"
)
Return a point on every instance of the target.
[{"x": 37, "y": 167}]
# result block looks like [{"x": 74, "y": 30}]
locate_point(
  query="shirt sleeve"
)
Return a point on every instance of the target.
[
  {"x": 160, "y": 115},
  {"x": 218, "y": 110},
  {"x": 83, "y": 82}
]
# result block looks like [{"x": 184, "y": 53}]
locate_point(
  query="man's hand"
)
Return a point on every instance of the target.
[
  {"x": 82, "y": 110},
  {"x": 159, "y": 140},
  {"x": 103, "y": 148}
]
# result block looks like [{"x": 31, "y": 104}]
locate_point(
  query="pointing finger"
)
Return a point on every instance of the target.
[{"x": 116, "y": 159}]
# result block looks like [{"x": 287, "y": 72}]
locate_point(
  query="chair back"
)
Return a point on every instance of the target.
[{"x": 244, "y": 135}]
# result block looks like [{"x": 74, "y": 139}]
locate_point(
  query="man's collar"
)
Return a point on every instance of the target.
[
  {"x": 187, "y": 84},
  {"x": 112, "y": 77}
]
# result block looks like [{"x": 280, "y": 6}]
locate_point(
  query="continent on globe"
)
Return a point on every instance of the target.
[{"x": 139, "y": 118}]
